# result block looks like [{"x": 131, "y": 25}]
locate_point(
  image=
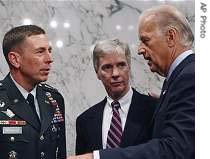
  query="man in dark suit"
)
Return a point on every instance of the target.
[
  {"x": 111, "y": 60},
  {"x": 31, "y": 112},
  {"x": 166, "y": 42}
]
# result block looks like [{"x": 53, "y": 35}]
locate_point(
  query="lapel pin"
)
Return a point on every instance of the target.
[
  {"x": 1, "y": 84},
  {"x": 164, "y": 92}
]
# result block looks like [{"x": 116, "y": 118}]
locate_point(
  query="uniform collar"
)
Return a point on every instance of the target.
[{"x": 22, "y": 90}]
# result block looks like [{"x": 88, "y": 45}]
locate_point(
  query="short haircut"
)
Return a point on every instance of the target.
[
  {"x": 110, "y": 46},
  {"x": 17, "y": 35},
  {"x": 167, "y": 16}
]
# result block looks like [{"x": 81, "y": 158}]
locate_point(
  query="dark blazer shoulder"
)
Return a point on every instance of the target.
[
  {"x": 93, "y": 110},
  {"x": 149, "y": 101},
  {"x": 185, "y": 71},
  {"x": 189, "y": 67},
  {"x": 186, "y": 67}
]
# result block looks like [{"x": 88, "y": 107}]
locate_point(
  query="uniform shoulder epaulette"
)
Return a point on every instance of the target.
[{"x": 47, "y": 87}]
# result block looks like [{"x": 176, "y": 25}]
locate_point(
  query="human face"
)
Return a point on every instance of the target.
[
  {"x": 113, "y": 71},
  {"x": 35, "y": 59},
  {"x": 154, "y": 46}
]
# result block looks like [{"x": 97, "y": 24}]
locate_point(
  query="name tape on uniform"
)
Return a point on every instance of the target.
[{"x": 12, "y": 130}]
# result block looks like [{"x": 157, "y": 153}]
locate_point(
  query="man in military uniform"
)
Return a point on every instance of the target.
[{"x": 32, "y": 124}]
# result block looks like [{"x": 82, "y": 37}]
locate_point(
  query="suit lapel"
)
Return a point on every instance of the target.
[
  {"x": 174, "y": 74},
  {"x": 96, "y": 120},
  {"x": 46, "y": 110},
  {"x": 180, "y": 67},
  {"x": 134, "y": 122},
  {"x": 18, "y": 103}
]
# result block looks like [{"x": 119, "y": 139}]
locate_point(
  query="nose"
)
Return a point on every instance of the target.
[
  {"x": 48, "y": 57},
  {"x": 115, "y": 72},
  {"x": 141, "y": 50}
]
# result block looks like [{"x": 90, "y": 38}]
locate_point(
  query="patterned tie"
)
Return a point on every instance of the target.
[
  {"x": 30, "y": 100},
  {"x": 115, "y": 132}
]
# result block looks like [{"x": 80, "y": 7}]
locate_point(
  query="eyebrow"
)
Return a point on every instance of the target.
[{"x": 43, "y": 48}]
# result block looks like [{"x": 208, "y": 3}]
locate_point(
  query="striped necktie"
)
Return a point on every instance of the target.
[{"x": 115, "y": 132}]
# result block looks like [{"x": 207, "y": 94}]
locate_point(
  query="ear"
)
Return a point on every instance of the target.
[
  {"x": 14, "y": 59},
  {"x": 171, "y": 37}
]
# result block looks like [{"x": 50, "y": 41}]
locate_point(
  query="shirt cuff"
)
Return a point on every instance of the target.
[{"x": 96, "y": 154}]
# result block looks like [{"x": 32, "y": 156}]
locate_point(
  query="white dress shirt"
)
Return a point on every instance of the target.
[
  {"x": 125, "y": 102},
  {"x": 25, "y": 94}
]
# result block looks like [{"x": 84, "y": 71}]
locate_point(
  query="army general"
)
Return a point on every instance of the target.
[{"x": 32, "y": 124}]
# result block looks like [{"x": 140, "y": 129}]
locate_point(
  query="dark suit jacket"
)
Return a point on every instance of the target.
[
  {"x": 25, "y": 140},
  {"x": 89, "y": 124},
  {"x": 174, "y": 128}
]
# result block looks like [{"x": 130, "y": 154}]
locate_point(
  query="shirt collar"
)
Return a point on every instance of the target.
[
  {"x": 124, "y": 101},
  {"x": 22, "y": 90},
  {"x": 177, "y": 61}
]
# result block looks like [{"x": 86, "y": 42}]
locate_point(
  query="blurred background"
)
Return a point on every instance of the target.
[{"x": 73, "y": 27}]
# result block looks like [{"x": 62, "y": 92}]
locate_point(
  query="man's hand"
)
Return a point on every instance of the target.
[{"x": 85, "y": 156}]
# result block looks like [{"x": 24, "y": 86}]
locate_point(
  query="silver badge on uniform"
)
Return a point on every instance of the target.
[
  {"x": 2, "y": 104},
  {"x": 12, "y": 130},
  {"x": 54, "y": 129},
  {"x": 47, "y": 102},
  {"x": 48, "y": 94},
  {"x": 12, "y": 155},
  {"x": 15, "y": 100},
  {"x": 9, "y": 113}
]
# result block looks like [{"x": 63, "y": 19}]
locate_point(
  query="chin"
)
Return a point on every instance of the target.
[
  {"x": 153, "y": 69},
  {"x": 43, "y": 79},
  {"x": 118, "y": 91}
]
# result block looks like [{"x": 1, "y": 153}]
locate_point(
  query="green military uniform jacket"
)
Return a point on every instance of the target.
[{"x": 21, "y": 136}]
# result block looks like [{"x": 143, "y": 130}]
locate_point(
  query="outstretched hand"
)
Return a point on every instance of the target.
[{"x": 85, "y": 156}]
